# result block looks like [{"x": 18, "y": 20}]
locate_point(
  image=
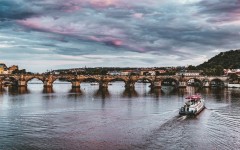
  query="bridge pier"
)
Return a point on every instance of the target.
[
  {"x": 22, "y": 90},
  {"x": 225, "y": 84},
  {"x": 47, "y": 83},
  {"x": 103, "y": 85},
  {"x": 156, "y": 84},
  {"x": 22, "y": 83},
  {"x": 1, "y": 83},
  {"x": 76, "y": 84},
  {"x": 48, "y": 90},
  {"x": 182, "y": 84},
  {"x": 130, "y": 85},
  {"x": 206, "y": 84},
  {"x": 76, "y": 90}
]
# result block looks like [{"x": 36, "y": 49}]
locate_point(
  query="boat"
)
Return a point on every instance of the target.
[
  {"x": 234, "y": 85},
  {"x": 94, "y": 83},
  {"x": 193, "y": 106}
]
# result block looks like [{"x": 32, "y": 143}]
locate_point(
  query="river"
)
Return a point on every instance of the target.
[{"x": 62, "y": 118}]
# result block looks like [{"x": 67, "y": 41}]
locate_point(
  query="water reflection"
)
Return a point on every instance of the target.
[
  {"x": 49, "y": 93},
  {"x": 2, "y": 90},
  {"x": 189, "y": 90},
  {"x": 103, "y": 93},
  {"x": 75, "y": 93},
  {"x": 182, "y": 92},
  {"x": 206, "y": 90},
  {"x": 157, "y": 92},
  {"x": 167, "y": 89},
  {"x": 48, "y": 90},
  {"x": 75, "y": 90},
  {"x": 217, "y": 93},
  {"x": 18, "y": 90},
  {"x": 235, "y": 92},
  {"x": 130, "y": 92},
  {"x": 141, "y": 115}
]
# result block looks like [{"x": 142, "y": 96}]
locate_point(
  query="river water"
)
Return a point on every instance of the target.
[{"x": 62, "y": 118}]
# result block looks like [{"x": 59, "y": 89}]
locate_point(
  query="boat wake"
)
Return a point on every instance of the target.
[{"x": 181, "y": 118}]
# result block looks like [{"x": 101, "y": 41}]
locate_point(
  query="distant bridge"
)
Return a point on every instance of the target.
[{"x": 103, "y": 80}]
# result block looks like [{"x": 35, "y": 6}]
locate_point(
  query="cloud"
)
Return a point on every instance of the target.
[
  {"x": 220, "y": 11},
  {"x": 158, "y": 30},
  {"x": 15, "y": 9}
]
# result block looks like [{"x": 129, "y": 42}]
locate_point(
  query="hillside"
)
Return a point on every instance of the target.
[
  {"x": 229, "y": 59},
  {"x": 224, "y": 60}
]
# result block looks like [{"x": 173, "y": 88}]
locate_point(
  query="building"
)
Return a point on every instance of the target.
[
  {"x": 231, "y": 71},
  {"x": 114, "y": 73},
  {"x": 3, "y": 69},
  {"x": 161, "y": 71},
  {"x": 126, "y": 72},
  {"x": 129, "y": 72},
  {"x": 189, "y": 73},
  {"x": 12, "y": 68},
  {"x": 147, "y": 72}
]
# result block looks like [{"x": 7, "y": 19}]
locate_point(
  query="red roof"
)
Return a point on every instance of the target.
[{"x": 194, "y": 97}]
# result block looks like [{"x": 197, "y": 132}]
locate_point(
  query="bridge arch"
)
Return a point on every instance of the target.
[
  {"x": 4, "y": 80},
  {"x": 38, "y": 78},
  {"x": 12, "y": 78},
  {"x": 51, "y": 81},
  {"x": 216, "y": 82},
  {"x": 145, "y": 78},
  {"x": 169, "y": 81},
  {"x": 194, "y": 82},
  {"x": 91, "y": 79},
  {"x": 118, "y": 79},
  {"x": 149, "y": 80}
]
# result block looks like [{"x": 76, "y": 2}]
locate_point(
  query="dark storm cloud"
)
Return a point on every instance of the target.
[
  {"x": 14, "y": 10},
  {"x": 220, "y": 10},
  {"x": 219, "y": 6}
]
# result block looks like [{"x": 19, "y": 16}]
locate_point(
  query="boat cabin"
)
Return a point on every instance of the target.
[{"x": 191, "y": 100}]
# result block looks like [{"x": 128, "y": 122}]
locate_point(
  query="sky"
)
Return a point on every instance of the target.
[{"x": 41, "y": 35}]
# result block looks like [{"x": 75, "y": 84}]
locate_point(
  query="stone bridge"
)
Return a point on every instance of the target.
[{"x": 103, "y": 80}]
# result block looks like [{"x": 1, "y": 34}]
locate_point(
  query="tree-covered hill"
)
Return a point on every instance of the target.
[
  {"x": 229, "y": 59},
  {"x": 224, "y": 60}
]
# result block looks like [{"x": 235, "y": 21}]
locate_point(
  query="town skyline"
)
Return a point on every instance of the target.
[{"x": 53, "y": 34}]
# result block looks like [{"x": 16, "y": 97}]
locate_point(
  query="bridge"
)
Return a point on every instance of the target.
[{"x": 103, "y": 80}]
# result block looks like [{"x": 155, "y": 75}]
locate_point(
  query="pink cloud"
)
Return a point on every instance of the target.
[
  {"x": 107, "y": 40},
  {"x": 97, "y": 3},
  {"x": 104, "y": 3},
  {"x": 117, "y": 42},
  {"x": 46, "y": 24},
  {"x": 71, "y": 7},
  {"x": 138, "y": 15}
]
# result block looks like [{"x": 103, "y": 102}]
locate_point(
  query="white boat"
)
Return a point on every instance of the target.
[
  {"x": 234, "y": 85},
  {"x": 94, "y": 83},
  {"x": 194, "y": 105}
]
